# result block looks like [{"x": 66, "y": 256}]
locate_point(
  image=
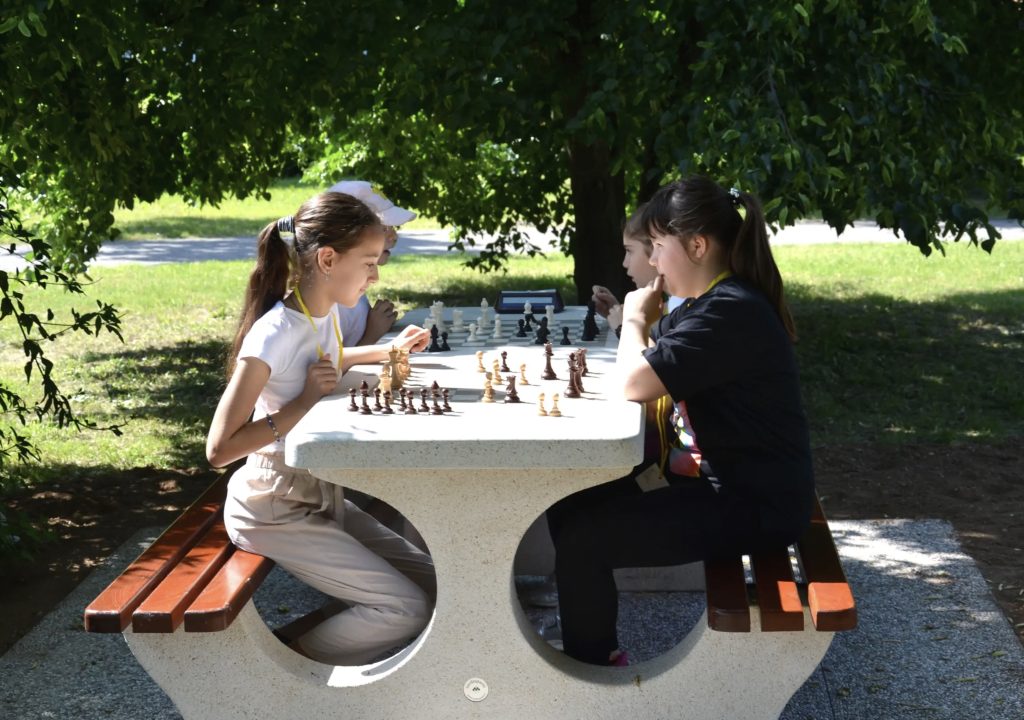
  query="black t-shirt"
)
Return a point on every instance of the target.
[{"x": 728, "y": 356}]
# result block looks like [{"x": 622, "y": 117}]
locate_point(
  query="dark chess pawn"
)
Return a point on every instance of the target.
[
  {"x": 511, "y": 396},
  {"x": 444, "y": 395},
  {"x": 565, "y": 337},
  {"x": 365, "y": 409},
  {"x": 504, "y": 362},
  {"x": 434, "y": 347},
  {"x": 521, "y": 332},
  {"x": 407, "y": 402},
  {"x": 376, "y": 400},
  {"x": 590, "y": 328},
  {"x": 352, "y": 406},
  {"x": 548, "y": 372},
  {"x": 387, "y": 404},
  {"x": 527, "y": 319},
  {"x": 444, "y": 342},
  {"x": 423, "y": 400},
  {"x": 436, "y": 409}
]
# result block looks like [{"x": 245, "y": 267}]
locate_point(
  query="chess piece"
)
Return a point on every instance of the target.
[
  {"x": 504, "y": 361},
  {"x": 401, "y": 400},
  {"x": 497, "y": 329},
  {"x": 403, "y": 364},
  {"x": 385, "y": 378},
  {"x": 521, "y": 332},
  {"x": 445, "y": 404},
  {"x": 590, "y": 328},
  {"x": 570, "y": 390},
  {"x": 423, "y": 400},
  {"x": 565, "y": 337},
  {"x": 554, "y": 411},
  {"x": 457, "y": 320},
  {"x": 388, "y": 410},
  {"x": 522, "y": 374},
  {"x": 434, "y": 346},
  {"x": 393, "y": 365},
  {"x": 436, "y": 408},
  {"x": 365, "y": 409},
  {"x": 495, "y": 368},
  {"x": 471, "y": 338},
  {"x": 352, "y": 406},
  {"x": 540, "y": 405},
  {"x": 549, "y": 372},
  {"x": 444, "y": 342},
  {"x": 582, "y": 359},
  {"x": 376, "y": 400},
  {"x": 511, "y": 396},
  {"x": 409, "y": 402},
  {"x": 488, "y": 391},
  {"x": 480, "y": 361},
  {"x": 549, "y": 313},
  {"x": 484, "y": 321}
]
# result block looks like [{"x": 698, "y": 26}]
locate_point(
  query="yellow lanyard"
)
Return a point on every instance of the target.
[
  {"x": 664, "y": 401},
  {"x": 337, "y": 330}
]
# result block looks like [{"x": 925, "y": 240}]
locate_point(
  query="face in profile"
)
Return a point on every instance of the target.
[
  {"x": 390, "y": 240},
  {"x": 637, "y": 261}
]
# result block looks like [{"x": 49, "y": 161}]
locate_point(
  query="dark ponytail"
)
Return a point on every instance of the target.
[
  {"x": 751, "y": 258},
  {"x": 700, "y": 206},
  {"x": 268, "y": 283},
  {"x": 330, "y": 219}
]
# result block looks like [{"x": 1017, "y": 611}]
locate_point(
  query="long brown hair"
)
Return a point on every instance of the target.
[
  {"x": 329, "y": 219},
  {"x": 700, "y": 206}
]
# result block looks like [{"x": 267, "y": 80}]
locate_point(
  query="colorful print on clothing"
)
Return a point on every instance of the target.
[{"x": 684, "y": 455}]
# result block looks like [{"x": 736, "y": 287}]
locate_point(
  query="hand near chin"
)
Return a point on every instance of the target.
[
  {"x": 644, "y": 304},
  {"x": 379, "y": 320}
]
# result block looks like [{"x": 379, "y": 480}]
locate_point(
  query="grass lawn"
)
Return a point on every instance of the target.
[
  {"x": 893, "y": 347},
  {"x": 172, "y": 217}
]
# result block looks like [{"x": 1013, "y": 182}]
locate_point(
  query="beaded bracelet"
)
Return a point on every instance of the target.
[{"x": 273, "y": 427}]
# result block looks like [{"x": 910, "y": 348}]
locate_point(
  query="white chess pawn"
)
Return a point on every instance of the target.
[
  {"x": 497, "y": 328},
  {"x": 549, "y": 312},
  {"x": 527, "y": 308},
  {"x": 457, "y": 320}
]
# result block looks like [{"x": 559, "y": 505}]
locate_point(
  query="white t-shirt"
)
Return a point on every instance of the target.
[
  {"x": 353, "y": 320},
  {"x": 285, "y": 341}
]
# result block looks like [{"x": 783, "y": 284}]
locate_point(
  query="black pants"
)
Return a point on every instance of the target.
[{"x": 617, "y": 525}]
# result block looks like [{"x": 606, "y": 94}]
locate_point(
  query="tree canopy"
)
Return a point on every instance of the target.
[{"x": 491, "y": 115}]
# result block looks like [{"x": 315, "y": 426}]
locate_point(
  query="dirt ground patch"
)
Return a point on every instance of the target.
[{"x": 977, "y": 488}]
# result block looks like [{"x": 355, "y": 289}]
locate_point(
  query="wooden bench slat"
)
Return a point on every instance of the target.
[
  {"x": 165, "y": 607},
  {"x": 111, "y": 610},
  {"x": 227, "y": 593},
  {"x": 728, "y": 606},
  {"x": 828, "y": 594},
  {"x": 778, "y": 599}
]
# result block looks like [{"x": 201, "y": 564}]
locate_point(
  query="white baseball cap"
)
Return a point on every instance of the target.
[{"x": 387, "y": 211}]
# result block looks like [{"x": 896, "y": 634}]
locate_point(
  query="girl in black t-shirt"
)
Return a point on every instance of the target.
[{"x": 728, "y": 355}]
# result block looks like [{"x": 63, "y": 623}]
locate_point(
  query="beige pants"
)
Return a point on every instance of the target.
[{"x": 307, "y": 527}]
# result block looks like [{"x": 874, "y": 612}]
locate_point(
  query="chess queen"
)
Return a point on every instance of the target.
[{"x": 287, "y": 354}]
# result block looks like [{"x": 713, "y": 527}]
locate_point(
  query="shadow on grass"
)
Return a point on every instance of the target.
[
  {"x": 184, "y": 226},
  {"x": 874, "y": 368}
]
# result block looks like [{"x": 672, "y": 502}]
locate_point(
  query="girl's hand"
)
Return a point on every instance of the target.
[
  {"x": 644, "y": 304},
  {"x": 412, "y": 338},
  {"x": 604, "y": 300},
  {"x": 379, "y": 320},
  {"x": 615, "y": 316},
  {"x": 321, "y": 379}
]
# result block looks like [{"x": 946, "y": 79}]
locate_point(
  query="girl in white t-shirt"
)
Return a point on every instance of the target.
[{"x": 288, "y": 353}]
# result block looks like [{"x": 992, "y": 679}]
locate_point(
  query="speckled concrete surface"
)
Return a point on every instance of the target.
[{"x": 931, "y": 642}]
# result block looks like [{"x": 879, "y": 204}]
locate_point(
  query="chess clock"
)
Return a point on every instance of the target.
[{"x": 514, "y": 301}]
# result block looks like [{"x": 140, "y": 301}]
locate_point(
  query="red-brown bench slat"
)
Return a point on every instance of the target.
[
  {"x": 165, "y": 607},
  {"x": 112, "y": 609},
  {"x": 778, "y": 599},
  {"x": 227, "y": 593},
  {"x": 726, "y": 590},
  {"x": 828, "y": 593}
]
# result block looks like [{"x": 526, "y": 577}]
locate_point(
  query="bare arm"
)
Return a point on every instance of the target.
[
  {"x": 412, "y": 338},
  {"x": 232, "y": 435}
]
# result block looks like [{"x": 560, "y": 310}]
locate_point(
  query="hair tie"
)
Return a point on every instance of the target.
[
  {"x": 734, "y": 194},
  {"x": 286, "y": 225}
]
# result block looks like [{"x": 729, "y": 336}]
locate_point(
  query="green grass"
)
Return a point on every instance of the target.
[
  {"x": 172, "y": 217},
  {"x": 894, "y": 347}
]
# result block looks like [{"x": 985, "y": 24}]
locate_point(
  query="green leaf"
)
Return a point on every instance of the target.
[
  {"x": 803, "y": 13},
  {"x": 23, "y": 29}
]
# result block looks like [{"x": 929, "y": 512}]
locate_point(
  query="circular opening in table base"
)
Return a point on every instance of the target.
[
  {"x": 657, "y": 607},
  {"x": 291, "y": 608}
]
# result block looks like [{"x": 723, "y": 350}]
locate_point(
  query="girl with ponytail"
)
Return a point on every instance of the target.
[
  {"x": 725, "y": 358},
  {"x": 287, "y": 354}
]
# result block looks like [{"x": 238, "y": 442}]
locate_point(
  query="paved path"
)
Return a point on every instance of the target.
[
  {"x": 931, "y": 644},
  {"x": 435, "y": 242}
]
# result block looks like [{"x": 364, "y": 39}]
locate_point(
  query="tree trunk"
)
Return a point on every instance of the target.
[{"x": 599, "y": 199}]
